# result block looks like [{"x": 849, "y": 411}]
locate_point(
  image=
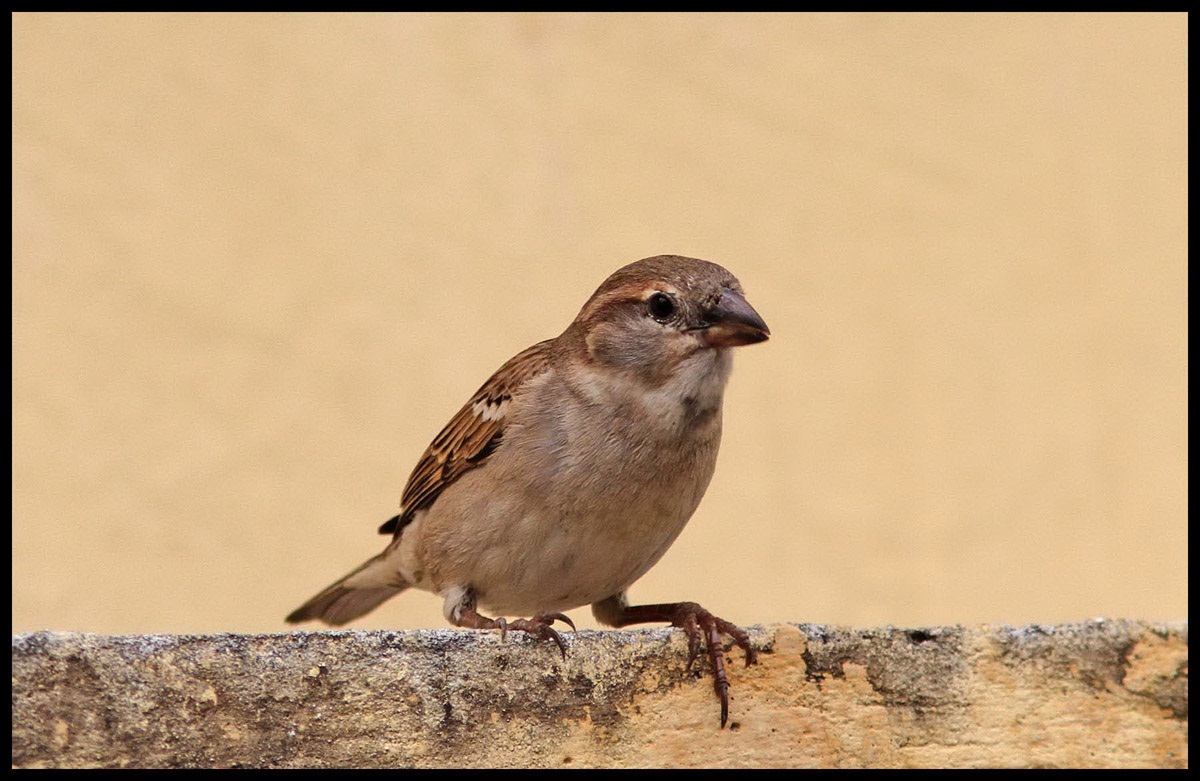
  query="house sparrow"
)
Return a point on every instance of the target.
[{"x": 571, "y": 471}]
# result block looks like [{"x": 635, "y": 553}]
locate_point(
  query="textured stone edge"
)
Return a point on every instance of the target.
[{"x": 1104, "y": 693}]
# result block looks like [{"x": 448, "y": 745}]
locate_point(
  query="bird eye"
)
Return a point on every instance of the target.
[{"x": 661, "y": 307}]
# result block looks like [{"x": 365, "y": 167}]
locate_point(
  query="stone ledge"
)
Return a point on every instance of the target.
[{"x": 1097, "y": 694}]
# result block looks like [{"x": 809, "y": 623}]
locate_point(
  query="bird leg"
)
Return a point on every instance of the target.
[
  {"x": 538, "y": 626},
  {"x": 697, "y": 623}
]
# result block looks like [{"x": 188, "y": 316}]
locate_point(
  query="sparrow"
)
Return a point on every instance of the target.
[{"x": 570, "y": 472}]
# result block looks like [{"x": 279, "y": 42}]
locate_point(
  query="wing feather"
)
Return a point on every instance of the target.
[{"x": 471, "y": 436}]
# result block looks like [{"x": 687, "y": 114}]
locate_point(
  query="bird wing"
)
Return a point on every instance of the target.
[{"x": 470, "y": 437}]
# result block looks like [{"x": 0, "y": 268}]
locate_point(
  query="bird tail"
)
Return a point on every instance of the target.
[{"x": 355, "y": 595}]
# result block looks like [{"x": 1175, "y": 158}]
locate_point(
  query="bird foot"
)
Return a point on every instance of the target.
[
  {"x": 701, "y": 626},
  {"x": 538, "y": 625},
  {"x": 702, "y": 629}
]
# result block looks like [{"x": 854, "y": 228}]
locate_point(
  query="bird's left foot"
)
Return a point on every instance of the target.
[{"x": 700, "y": 626}]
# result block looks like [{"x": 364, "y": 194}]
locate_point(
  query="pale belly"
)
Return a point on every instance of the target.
[
  {"x": 574, "y": 507},
  {"x": 580, "y": 562},
  {"x": 526, "y": 553}
]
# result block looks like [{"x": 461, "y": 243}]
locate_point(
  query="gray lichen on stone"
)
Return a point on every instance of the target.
[{"x": 1100, "y": 693}]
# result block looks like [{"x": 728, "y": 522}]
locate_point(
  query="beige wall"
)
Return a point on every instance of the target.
[{"x": 259, "y": 260}]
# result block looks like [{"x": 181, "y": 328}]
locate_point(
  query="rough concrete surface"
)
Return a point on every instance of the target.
[{"x": 1096, "y": 694}]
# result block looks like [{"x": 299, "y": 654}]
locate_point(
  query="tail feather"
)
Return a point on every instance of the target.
[{"x": 355, "y": 595}]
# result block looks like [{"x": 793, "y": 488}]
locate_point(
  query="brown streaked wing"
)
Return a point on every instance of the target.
[{"x": 470, "y": 436}]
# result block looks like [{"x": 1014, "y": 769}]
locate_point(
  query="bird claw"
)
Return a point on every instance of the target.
[
  {"x": 699, "y": 624},
  {"x": 692, "y": 630},
  {"x": 539, "y": 627},
  {"x": 550, "y": 618}
]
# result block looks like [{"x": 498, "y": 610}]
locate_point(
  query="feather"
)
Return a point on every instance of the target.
[{"x": 470, "y": 437}]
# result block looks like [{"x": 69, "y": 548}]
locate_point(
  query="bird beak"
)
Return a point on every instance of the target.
[{"x": 732, "y": 322}]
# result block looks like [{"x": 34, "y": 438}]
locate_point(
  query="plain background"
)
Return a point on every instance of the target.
[{"x": 259, "y": 260}]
